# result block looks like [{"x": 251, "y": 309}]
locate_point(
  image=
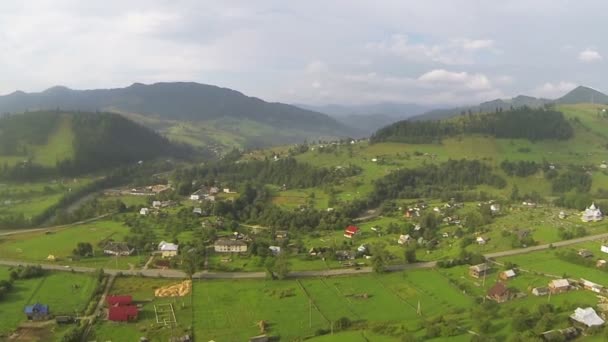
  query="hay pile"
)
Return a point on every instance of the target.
[{"x": 176, "y": 290}]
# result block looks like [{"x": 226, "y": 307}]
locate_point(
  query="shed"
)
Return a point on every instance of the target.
[
  {"x": 559, "y": 285},
  {"x": 480, "y": 270},
  {"x": 508, "y": 274}
]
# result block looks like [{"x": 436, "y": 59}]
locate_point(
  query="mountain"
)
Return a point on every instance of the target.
[
  {"x": 578, "y": 95},
  {"x": 583, "y": 94},
  {"x": 368, "y": 118},
  {"x": 164, "y": 106},
  {"x": 48, "y": 143}
]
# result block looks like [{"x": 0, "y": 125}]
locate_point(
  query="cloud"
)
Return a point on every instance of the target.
[
  {"x": 589, "y": 56},
  {"x": 471, "y": 81},
  {"x": 454, "y": 51},
  {"x": 553, "y": 90}
]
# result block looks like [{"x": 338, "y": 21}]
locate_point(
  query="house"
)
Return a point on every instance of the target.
[
  {"x": 592, "y": 214},
  {"x": 345, "y": 255},
  {"x": 122, "y": 313},
  {"x": 195, "y": 197},
  {"x": 499, "y": 293},
  {"x": 481, "y": 241},
  {"x": 156, "y": 204},
  {"x": 562, "y": 215},
  {"x": 275, "y": 250},
  {"x": 280, "y": 235},
  {"x": 587, "y": 317},
  {"x": 119, "y": 300},
  {"x": 351, "y": 231},
  {"x": 585, "y": 253},
  {"x": 403, "y": 239},
  {"x": 362, "y": 249},
  {"x": 144, "y": 211},
  {"x": 604, "y": 248},
  {"x": 495, "y": 208},
  {"x": 227, "y": 190},
  {"x": 51, "y": 257},
  {"x": 540, "y": 291},
  {"x": 229, "y": 246},
  {"x": 37, "y": 312},
  {"x": 591, "y": 286},
  {"x": 197, "y": 211},
  {"x": 559, "y": 286},
  {"x": 508, "y": 274},
  {"x": 480, "y": 270},
  {"x": 117, "y": 249},
  {"x": 168, "y": 250},
  {"x": 600, "y": 263}
]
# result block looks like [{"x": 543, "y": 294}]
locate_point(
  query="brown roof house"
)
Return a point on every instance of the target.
[
  {"x": 499, "y": 293},
  {"x": 559, "y": 286}
]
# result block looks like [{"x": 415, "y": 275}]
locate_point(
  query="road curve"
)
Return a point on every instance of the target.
[{"x": 166, "y": 273}]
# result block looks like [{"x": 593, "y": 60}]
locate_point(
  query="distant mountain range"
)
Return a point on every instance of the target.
[
  {"x": 580, "y": 94},
  {"x": 164, "y": 105},
  {"x": 368, "y": 118}
]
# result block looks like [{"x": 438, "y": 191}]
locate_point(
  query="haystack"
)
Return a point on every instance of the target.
[{"x": 175, "y": 290}]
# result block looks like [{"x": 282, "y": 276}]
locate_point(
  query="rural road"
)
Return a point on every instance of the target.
[
  {"x": 296, "y": 274},
  {"x": 33, "y": 230}
]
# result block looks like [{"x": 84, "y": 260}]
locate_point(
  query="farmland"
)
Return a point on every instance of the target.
[{"x": 65, "y": 293}]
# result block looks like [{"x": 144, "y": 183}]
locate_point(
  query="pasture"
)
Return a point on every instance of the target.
[
  {"x": 295, "y": 308},
  {"x": 55, "y": 289}
]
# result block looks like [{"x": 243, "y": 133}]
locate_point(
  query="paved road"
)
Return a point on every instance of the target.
[
  {"x": 296, "y": 274},
  {"x": 33, "y": 230}
]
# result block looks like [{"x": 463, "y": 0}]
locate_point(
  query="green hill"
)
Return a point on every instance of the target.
[
  {"x": 40, "y": 143},
  {"x": 583, "y": 94},
  {"x": 163, "y": 106}
]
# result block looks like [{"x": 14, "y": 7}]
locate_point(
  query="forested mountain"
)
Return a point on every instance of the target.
[
  {"x": 45, "y": 143},
  {"x": 580, "y": 94},
  {"x": 526, "y": 123},
  {"x": 180, "y": 101}
]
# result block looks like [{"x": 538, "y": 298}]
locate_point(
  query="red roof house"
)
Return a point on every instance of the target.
[
  {"x": 351, "y": 231},
  {"x": 119, "y": 300},
  {"x": 122, "y": 313}
]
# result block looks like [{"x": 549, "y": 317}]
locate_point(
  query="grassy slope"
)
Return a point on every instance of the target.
[{"x": 59, "y": 145}]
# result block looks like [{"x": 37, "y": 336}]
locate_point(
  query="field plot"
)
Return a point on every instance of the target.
[
  {"x": 142, "y": 290},
  {"x": 65, "y": 293},
  {"x": 299, "y": 308},
  {"x": 36, "y": 247}
]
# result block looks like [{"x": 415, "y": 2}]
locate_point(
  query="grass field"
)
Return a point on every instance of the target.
[
  {"x": 299, "y": 308},
  {"x": 36, "y": 247},
  {"x": 55, "y": 289}
]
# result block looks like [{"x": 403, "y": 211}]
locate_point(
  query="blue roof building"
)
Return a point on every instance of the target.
[{"x": 36, "y": 311}]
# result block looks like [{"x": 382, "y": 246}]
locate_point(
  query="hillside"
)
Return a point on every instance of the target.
[
  {"x": 578, "y": 95},
  {"x": 167, "y": 104},
  {"x": 40, "y": 143}
]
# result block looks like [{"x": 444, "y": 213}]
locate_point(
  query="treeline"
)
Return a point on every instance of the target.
[
  {"x": 520, "y": 168},
  {"x": 19, "y": 131},
  {"x": 524, "y": 123},
  {"x": 433, "y": 180},
  {"x": 287, "y": 171}
]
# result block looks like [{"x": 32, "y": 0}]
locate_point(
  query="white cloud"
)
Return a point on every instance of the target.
[
  {"x": 316, "y": 67},
  {"x": 471, "y": 81},
  {"x": 553, "y": 90},
  {"x": 477, "y": 44},
  {"x": 589, "y": 56},
  {"x": 316, "y": 84}
]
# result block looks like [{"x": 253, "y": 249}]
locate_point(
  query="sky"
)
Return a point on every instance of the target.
[{"x": 312, "y": 52}]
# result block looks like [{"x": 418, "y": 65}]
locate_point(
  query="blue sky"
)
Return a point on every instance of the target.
[{"x": 316, "y": 52}]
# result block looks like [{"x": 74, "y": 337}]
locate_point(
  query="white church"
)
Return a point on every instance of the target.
[{"x": 592, "y": 214}]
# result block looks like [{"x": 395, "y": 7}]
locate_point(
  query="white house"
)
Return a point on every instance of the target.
[
  {"x": 195, "y": 197},
  {"x": 604, "y": 248},
  {"x": 144, "y": 211},
  {"x": 587, "y": 316},
  {"x": 156, "y": 204},
  {"x": 274, "y": 249},
  {"x": 481, "y": 241},
  {"x": 197, "y": 211},
  {"x": 403, "y": 239},
  {"x": 229, "y": 246},
  {"x": 167, "y": 249},
  {"x": 495, "y": 208},
  {"x": 592, "y": 214}
]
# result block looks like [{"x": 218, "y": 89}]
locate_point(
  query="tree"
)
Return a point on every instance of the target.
[
  {"x": 379, "y": 258},
  {"x": 83, "y": 249},
  {"x": 189, "y": 262},
  {"x": 410, "y": 255},
  {"x": 281, "y": 266}
]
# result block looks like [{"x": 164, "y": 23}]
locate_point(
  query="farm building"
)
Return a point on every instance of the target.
[
  {"x": 499, "y": 293},
  {"x": 144, "y": 211},
  {"x": 604, "y": 248},
  {"x": 587, "y": 317},
  {"x": 508, "y": 274},
  {"x": 121, "y": 309},
  {"x": 167, "y": 249},
  {"x": 37, "y": 312},
  {"x": 479, "y": 270},
  {"x": 592, "y": 214},
  {"x": 591, "y": 286},
  {"x": 540, "y": 291},
  {"x": 229, "y": 246},
  {"x": 481, "y": 241},
  {"x": 117, "y": 248},
  {"x": 351, "y": 231},
  {"x": 559, "y": 286}
]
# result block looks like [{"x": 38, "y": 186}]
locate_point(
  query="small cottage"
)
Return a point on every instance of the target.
[
  {"x": 167, "y": 249},
  {"x": 37, "y": 312},
  {"x": 351, "y": 231},
  {"x": 144, "y": 211},
  {"x": 478, "y": 271},
  {"x": 508, "y": 274},
  {"x": 499, "y": 293},
  {"x": 559, "y": 286}
]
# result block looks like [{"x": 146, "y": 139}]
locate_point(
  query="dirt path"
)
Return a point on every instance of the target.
[{"x": 97, "y": 312}]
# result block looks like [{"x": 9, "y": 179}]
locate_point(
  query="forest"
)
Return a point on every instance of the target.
[{"x": 521, "y": 123}]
